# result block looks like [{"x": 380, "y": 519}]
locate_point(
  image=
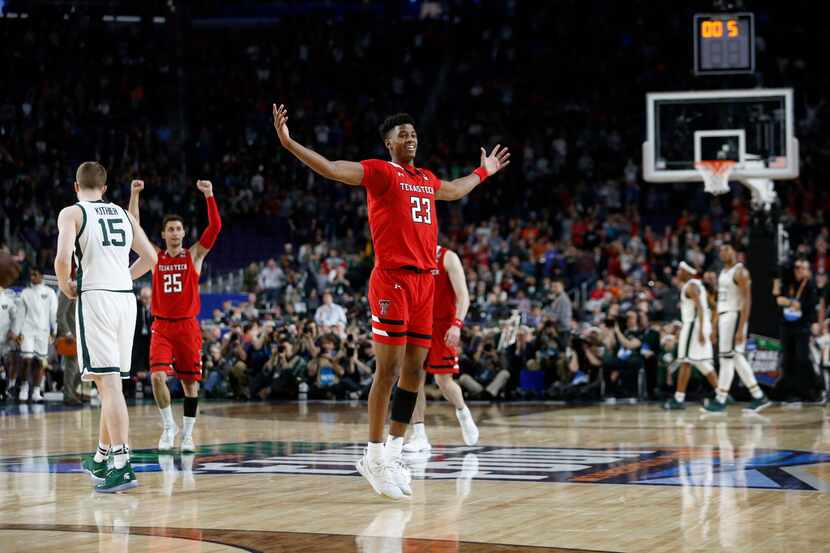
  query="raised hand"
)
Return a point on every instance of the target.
[
  {"x": 205, "y": 187},
  {"x": 137, "y": 186},
  {"x": 498, "y": 159},
  {"x": 281, "y": 123}
]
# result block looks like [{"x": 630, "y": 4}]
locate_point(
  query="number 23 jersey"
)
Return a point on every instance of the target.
[
  {"x": 175, "y": 286},
  {"x": 402, "y": 214}
]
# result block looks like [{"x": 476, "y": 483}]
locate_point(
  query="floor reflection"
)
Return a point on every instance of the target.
[{"x": 385, "y": 533}]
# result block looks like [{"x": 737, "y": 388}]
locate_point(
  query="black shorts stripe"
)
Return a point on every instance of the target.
[
  {"x": 690, "y": 337},
  {"x": 103, "y": 369},
  {"x": 442, "y": 366},
  {"x": 735, "y": 333},
  {"x": 393, "y": 334},
  {"x": 419, "y": 336},
  {"x": 170, "y": 364},
  {"x": 449, "y": 358},
  {"x": 388, "y": 321}
]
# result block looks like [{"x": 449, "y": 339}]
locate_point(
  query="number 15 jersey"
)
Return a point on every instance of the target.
[
  {"x": 402, "y": 214},
  {"x": 102, "y": 248},
  {"x": 175, "y": 286}
]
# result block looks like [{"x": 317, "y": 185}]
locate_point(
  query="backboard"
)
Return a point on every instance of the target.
[{"x": 752, "y": 127}]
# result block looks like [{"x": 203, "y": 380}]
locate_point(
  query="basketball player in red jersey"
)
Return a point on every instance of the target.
[
  {"x": 402, "y": 219},
  {"x": 176, "y": 338},
  {"x": 449, "y": 308}
]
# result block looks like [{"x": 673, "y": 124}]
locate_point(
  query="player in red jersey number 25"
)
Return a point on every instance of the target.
[
  {"x": 176, "y": 338},
  {"x": 402, "y": 219}
]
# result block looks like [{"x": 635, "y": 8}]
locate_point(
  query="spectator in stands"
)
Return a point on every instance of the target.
[
  {"x": 516, "y": 356},
  {"x": 271, "y": 280},
  {"x": 329, "y": 315},
  {"x": 622, "y": 360},
  {"x": 561, "y": 312}
]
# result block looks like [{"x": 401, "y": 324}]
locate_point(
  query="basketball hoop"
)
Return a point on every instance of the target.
[{"x": 715, "y": 174}]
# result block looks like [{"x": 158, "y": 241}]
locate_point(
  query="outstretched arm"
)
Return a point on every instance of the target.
[
  {"x": 347, "y": 172},
  {"x": 498, "y": 159},
  {"x": 201, "y": 248}
]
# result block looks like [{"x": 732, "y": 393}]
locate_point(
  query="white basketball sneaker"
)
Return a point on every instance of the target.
[
  {"x": 37, "y": 397},
  {"x": 187, "y": 444},
  {"x": 168, "y": 437},
  {"x": 469, "y": 430},
  {"x": 417, "y": 443},
  {"x": 24, "y": 392},
  {"x": 380, "y": 476},
  {"x": 401, "y": 475}
]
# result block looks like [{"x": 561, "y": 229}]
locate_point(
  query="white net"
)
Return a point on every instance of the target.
[{"x": 715, "y": 175}]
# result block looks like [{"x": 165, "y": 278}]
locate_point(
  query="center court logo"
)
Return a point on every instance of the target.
[{"x": 770, "y": 469}]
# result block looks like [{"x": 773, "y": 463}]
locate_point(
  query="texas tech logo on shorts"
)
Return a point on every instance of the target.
[{"x": 384, "y": 306}]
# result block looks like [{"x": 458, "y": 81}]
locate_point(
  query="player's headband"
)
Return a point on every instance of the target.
[{"x": 688, "y": 268}]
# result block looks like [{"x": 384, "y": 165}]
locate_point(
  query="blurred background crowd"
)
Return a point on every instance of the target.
[{"x": 569, "y": 255}]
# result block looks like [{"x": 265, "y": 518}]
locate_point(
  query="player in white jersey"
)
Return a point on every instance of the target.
[
  {"x": 694, "y": 348},
  {"x": 8, "y": 339},
  {"x": 101, "y": 234},
  {"x": 35, "y": 323},
  {"x": 734, "y": 302}
]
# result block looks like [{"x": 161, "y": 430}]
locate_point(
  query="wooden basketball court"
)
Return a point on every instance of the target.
[{"x": 281, "y": 477}]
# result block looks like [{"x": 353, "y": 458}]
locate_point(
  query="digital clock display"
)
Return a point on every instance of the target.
[{"x": 724, "y": 43}]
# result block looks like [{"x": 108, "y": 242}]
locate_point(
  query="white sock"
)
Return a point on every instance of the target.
[
  {"x": 394, "y": 447},
  {"x": 36, "y": 389},
  {"x": 25, "y": 386},
  {"x": 374, "y": 452},
  {"x": 463, "y": 411},
  {"x": 12, "y": 382},
  {"x": 102, "y": 452},
  {"x": 727, "y": 374},
  {"x": 167, "y": 417},
  {"x": 121, "y": 455},
  {"x": 418, "y": 430},
  {"x": 747, "y": 376},
  {"x": 680, "y": 397},
  {"x": 188, "y": 426}
]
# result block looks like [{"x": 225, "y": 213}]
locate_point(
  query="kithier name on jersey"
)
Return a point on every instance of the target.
[{"x": 106, "y": 210}]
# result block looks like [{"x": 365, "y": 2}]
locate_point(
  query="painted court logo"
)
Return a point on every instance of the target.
[{"x": 770, "y": 469}]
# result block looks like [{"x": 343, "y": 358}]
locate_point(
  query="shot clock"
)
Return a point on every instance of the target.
[{"x": 724, "y": 43}]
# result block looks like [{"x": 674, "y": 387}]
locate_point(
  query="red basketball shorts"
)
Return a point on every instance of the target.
[
  {"x": 442, "y": 359},
  {"x": 176, "y": 348},
  {"x": 401, "y": 304}
]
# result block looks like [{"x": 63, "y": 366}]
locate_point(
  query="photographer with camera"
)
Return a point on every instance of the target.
[
  {"x": 623, "y": 361},
  {"x": 282, "y": 372},
  {"x": 486, "y": 378},
  {"x": 233, "y": 351},
  {"x": 307, "y": 346}
]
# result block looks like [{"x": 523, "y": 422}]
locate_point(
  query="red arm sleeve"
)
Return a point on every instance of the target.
[{"x": 208, "y": 238}]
